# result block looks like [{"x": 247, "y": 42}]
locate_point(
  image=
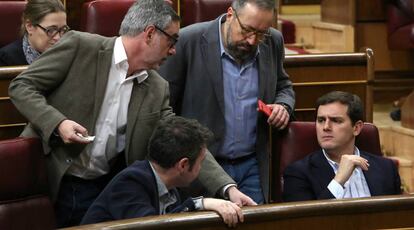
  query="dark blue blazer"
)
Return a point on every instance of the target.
[
  {"x": 307, "y": 179},
  {"x": 12, "y": 54},
  {"x": 131, "y": 193}
]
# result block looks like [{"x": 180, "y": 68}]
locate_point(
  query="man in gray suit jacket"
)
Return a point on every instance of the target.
[
  {"x": 220, "y": 70},
  {"x": 89, "y": 85}
]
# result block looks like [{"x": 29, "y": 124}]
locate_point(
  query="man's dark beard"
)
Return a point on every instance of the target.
[{"x": 241, "y": 55}]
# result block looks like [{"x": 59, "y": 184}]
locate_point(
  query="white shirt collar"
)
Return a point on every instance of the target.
[{"x": 121, "y": 61}]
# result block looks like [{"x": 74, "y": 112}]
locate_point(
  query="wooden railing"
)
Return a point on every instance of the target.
[{"x": 367, "y": 213}]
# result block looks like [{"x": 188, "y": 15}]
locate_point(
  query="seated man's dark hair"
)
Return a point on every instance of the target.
[
  {"x": 355, "y": 107},
  {"x": 176, "y": 138}
]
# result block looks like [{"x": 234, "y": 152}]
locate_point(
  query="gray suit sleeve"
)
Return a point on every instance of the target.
[
  {"x": 212, "y": 176},
  {"x": 284, "y": 90},
  {"x": 28, "y": 91},
  {"x": 166, "y": 110}
]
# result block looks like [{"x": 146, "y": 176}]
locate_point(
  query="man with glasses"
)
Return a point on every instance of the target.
[
  {"x": 95, "y": 101},
  {"x": 220, "y": 70},
  {"x": 172, "y": 39}
]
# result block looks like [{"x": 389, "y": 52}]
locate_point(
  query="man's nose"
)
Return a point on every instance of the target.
[
  {"x": 252, "y": 39},
  {"x": 327, "y": 125},
  {"x": 172, "y": 50}
]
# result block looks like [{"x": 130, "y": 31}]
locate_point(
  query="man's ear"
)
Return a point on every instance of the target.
[
  {"x": 183, "y": 164},
  {"x": 359, "y": 125},
  {"x": 230, "y": 13},
  {"x": 149, "y": 33}
]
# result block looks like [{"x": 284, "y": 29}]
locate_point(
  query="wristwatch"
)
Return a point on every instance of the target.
[
  {"x": 286, "y": 106},
  {"x": 198, "y": 203}
]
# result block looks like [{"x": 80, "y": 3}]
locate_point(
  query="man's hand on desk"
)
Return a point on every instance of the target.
[{"x": 239, "y": 198}]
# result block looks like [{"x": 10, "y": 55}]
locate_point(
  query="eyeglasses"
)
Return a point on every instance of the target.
[
  {"x": 246, "y": 32},
  {"x": 51, "y": 31},
  {"x": 171, "y": 38}
]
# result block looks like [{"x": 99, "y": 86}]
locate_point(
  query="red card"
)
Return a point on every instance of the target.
[{"x": 264, "y": 108}]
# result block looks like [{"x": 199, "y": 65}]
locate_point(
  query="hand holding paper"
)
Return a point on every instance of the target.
[{"x": 264, "y": 108}]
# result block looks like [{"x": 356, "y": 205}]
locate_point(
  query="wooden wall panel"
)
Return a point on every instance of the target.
[
  {"x": 338, "y": 11},
  {"x": 306, "y": 96},
  {"x": 336, "y": 73},
  {"x": 332, "y": 37},
  {"x": 389, "y": 86},
  {"x": 374, "y": 36},
  {"x": 407, "y": 112},
  {"x": 394, "y": 69},
  {"x": 371, "y": 10},
  {"x": 300, "y": 2},
  {"x": 317, "y": 74},
  {"x": 73, "y": 11}
]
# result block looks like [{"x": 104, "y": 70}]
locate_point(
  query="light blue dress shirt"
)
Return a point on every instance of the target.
[
  {"x": 355, "y": 187},
  {"x": 241, "y": 88},
  {"x": 165, "y": 197}
]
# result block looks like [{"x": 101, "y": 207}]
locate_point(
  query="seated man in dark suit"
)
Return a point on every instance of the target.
[
  {"x": 176, "y": 150},
  {"x": 339, "y": 169}
]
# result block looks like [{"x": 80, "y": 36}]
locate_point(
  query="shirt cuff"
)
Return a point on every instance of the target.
[
  {"x": 336, "y": 189},
  {"x": 287, "y": 107},
  {"x": 224, "y": 191},
  {"x": 198, "y": 203}
]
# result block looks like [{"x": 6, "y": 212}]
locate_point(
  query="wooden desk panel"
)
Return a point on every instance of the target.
[
  {"x": 368, "y": 213},
  {"x": 11, "y": 131},
  {"x": 9, "y": 113},
  {"x": 6, "y": 75},
  {"x": 11, "y": 121}
]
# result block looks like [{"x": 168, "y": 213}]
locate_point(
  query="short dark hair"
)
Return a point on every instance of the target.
[
  {"x": 355, "y": 107},
  {"x": 262, "y": 4},
  {"x": 176, "y": 138}
]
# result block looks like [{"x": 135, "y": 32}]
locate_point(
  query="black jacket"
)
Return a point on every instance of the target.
[
  {"x": 132, "y": 193},
  {"x": 12, "y": 54},
  {"x": 307, "y": 179}
]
